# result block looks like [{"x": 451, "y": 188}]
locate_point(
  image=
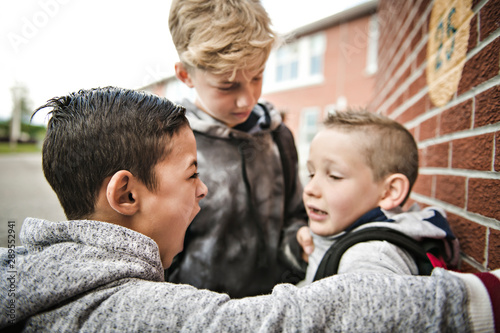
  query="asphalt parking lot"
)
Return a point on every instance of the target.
[{"x": 24, "y": 192}]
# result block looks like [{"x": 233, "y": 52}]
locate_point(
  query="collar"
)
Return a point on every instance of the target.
[
  {"x": 258, "y": 119},
  {"x": 374, "y": 215}
]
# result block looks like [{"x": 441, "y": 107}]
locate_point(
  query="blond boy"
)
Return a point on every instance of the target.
[{"x": 244, "y": 241}]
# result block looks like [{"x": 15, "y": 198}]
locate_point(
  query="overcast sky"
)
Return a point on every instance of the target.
[{"x": 54, "y": 47}]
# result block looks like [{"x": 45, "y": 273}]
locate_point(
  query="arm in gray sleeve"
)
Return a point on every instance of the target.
[
  {"x": 349, "y": 302},
  {"x": 368, "y": 303}
]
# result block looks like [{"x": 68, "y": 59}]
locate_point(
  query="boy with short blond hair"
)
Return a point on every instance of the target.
[
  {"x": 245, "y": 239},
  {"x": 362, "y": 168}
]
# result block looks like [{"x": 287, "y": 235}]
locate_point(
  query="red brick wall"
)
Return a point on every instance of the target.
[{"x": 459, "y": 141}]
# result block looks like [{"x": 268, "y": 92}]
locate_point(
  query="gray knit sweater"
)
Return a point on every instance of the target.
[{"x": 93, "y": 276}]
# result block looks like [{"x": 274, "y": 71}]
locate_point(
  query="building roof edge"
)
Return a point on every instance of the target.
[{"x": 350, "y": 14}]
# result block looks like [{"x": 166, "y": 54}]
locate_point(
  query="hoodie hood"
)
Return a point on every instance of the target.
[
  {"x": 263, "y": 118},
  {"x": 417, "y": 223}
]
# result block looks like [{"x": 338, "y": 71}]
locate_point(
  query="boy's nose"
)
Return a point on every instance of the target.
[
  {"x": 246, "y": 99},
  {"x": 202, "y": 190},
  {"x": 310, "y": 188}
]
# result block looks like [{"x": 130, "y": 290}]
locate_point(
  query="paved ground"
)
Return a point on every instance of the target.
[{"x": 24, "y": 192}]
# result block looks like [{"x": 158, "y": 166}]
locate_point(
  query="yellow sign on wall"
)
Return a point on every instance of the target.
[{"x": 447, "y": 47}]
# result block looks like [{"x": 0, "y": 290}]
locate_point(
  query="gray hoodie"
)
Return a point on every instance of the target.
[{"x": 90, "y": 276}]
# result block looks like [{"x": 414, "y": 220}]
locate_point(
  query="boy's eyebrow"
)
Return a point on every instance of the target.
[{"x": 193, "y": 163}]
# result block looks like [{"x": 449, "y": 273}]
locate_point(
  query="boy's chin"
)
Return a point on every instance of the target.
[
  {"x": 242, "y": 117},
  {"x": 320, "y": 230},
  {"x": 167, "y": 262}
]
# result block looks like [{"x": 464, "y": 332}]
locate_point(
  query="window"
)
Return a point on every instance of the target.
[
  {"x": 317, "y": 46},
  {"x": 297, "y": 64},
  {"x": 308, "y": 129},
  {"x": 309, "y": 126},
  {"x": 287, "y": 60}
]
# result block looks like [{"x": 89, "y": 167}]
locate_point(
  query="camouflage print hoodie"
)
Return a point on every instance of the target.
[{"x": 243, "y": 242}]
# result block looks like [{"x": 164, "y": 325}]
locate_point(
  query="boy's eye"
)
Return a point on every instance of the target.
[
  {"x": 311, "y": 175},
  {"x": 334, "y": 177},
  {"x": 228, "y": 88},
  {"x": 195, "y": 175}
]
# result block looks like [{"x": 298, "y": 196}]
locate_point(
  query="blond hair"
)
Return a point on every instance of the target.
[
  {"x": 221, "y": 36},
  {"x": 387, "y": 146}
]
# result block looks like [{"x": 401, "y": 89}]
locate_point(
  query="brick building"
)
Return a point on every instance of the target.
[{"x": 438, "y": 75}]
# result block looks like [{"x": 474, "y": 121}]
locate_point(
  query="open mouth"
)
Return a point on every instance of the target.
[
  {"x": 316, "y": 214},
  {"x": 317, "y": 211}
]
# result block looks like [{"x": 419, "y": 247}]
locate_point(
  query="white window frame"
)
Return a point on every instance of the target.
[
  {"x": 307, "y": 130},
  {"x": 286, "y": 58},
  {"x": 306, "y": 47},
  {"x": 372, "y": 48}
]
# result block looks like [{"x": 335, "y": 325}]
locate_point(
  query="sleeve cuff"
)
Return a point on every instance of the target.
[{"x": 483, "y": 299}]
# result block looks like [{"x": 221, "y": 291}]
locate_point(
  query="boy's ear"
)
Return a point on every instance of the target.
[
  {"x": 396, "y": 187},
  {"x": 183, "y": 75},
  {"x": 122, "y": 193}
]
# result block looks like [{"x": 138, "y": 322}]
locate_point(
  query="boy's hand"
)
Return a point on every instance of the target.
[{"x": 305, "y": 240}]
